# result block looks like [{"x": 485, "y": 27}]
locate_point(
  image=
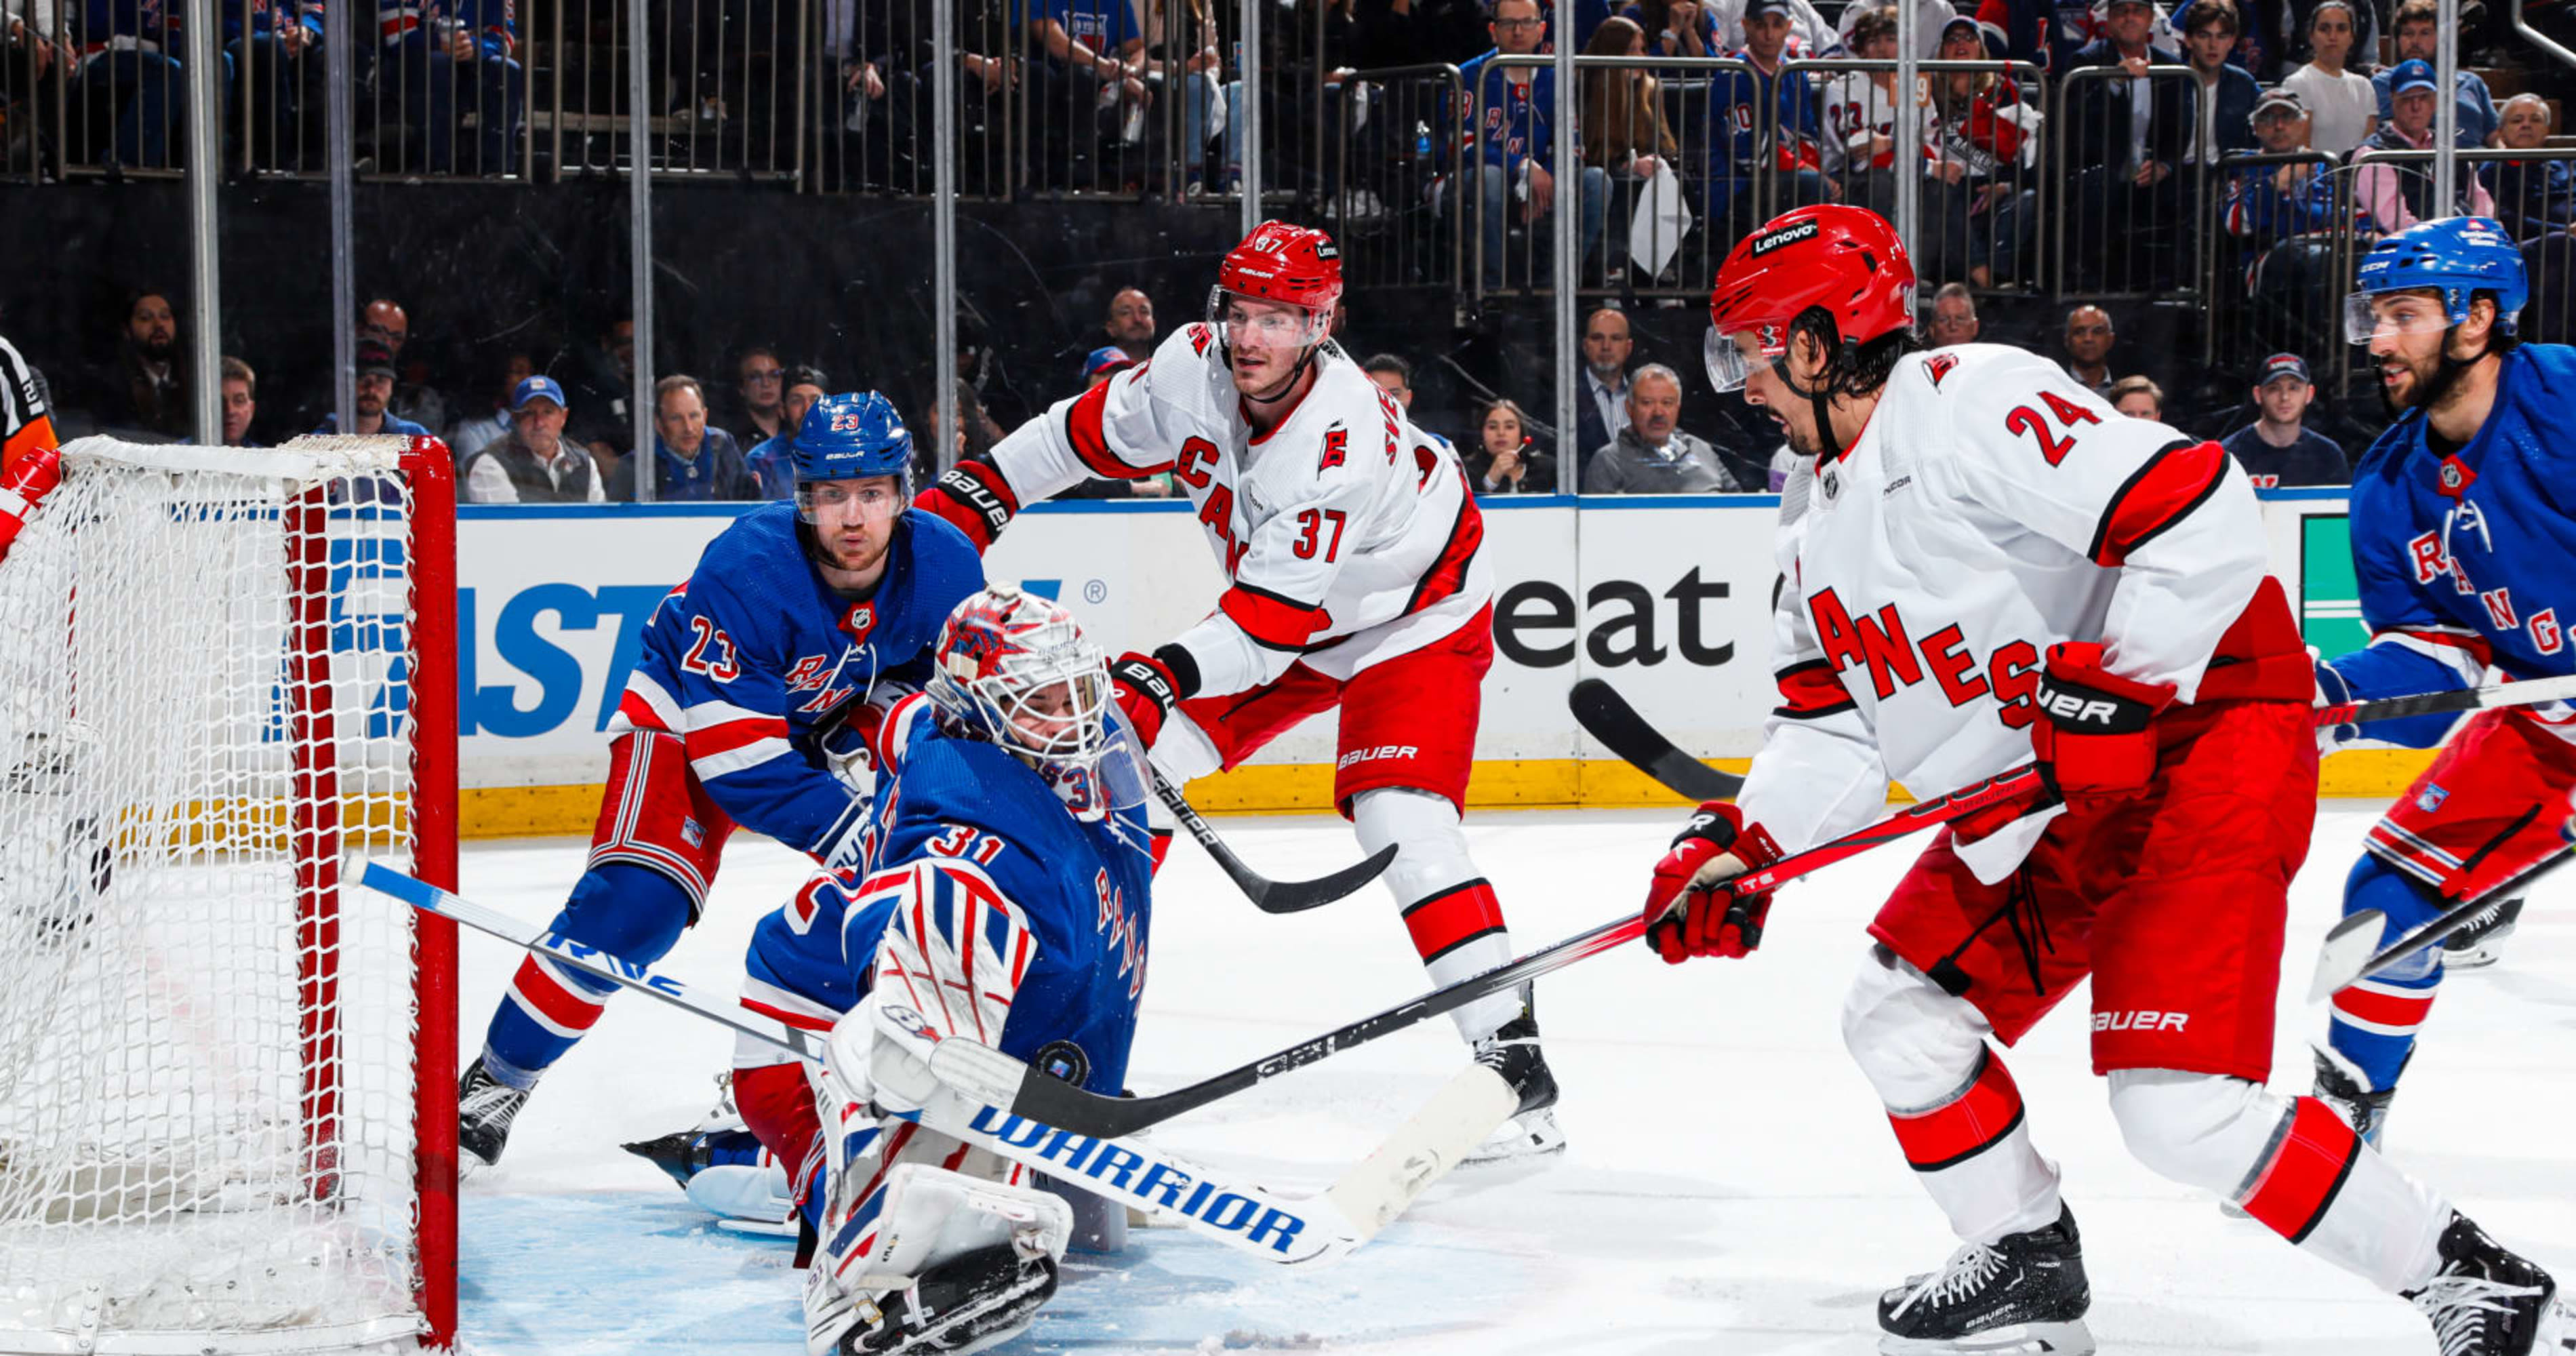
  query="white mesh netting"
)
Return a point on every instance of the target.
[{"x": 206, "y": 1090}]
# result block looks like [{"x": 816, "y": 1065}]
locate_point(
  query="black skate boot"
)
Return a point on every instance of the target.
[
  {"x": 2024, "y": 1295},
  {"x": 967, "y": 1303},
  {"x": 2347, "y": 1090},
  {"x": 2481, "y": 943},
  {"x": 2487, "y": 1302},
  {"x": 485, "y": 1106},
  {"x": 1513, "y": 1052}
]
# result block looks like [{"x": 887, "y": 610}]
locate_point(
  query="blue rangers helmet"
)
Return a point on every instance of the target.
[
  {"x": 852, "y": 436},
  {"x": 2454, "y": 258}
]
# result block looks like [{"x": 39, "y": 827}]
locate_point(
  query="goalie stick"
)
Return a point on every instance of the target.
[
  {"x": 1267, "y": 895},
  {"x": 1608, "y": 717},
  {"x": 2348, "y": 957},
  {"x": 1277, "y": 1227}
]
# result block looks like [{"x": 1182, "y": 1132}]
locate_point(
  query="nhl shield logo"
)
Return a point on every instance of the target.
[
  {"x": 1833, "y": 485},
  {"x": 2432, "y": 799},
  {"x": 2456, "y": 477},
  {"x": 860, "y": 620}
]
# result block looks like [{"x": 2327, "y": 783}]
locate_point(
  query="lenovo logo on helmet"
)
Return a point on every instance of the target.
[{"x": 1786, "y": 235}]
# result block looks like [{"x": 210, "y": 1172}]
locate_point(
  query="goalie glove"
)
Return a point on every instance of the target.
[{"x": 1689, "y": 912}]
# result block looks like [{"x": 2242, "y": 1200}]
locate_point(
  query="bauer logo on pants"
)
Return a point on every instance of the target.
[{"x": 2140, "y": 1021}]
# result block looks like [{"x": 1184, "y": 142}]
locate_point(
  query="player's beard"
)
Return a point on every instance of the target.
[
  {"x": 2427, "y": 383},
  {"x": 875, "y": 546}
]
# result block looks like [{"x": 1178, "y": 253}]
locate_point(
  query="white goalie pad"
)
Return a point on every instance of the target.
[{"x": 932, "y": 1214}]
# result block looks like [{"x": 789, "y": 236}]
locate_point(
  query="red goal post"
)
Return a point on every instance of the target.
[{"x": 227, "y": 1091}]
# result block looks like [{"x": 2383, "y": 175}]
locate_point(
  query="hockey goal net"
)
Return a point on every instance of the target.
[{"x": 227, "y": 1107}]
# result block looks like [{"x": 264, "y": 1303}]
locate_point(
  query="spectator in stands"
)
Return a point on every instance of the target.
[
  {"x": 2532, "y": 197},
  {"x": 2267, "y": 204},
  {"x": 1682, "y": 28},
  {"x": 1200, "y": 74},
  {"x": 374, "y": 397},
  {"x": 275, "y": 59},
  {"x": 1809, "y": 34},
  {"x": 442, "y": 67},
  {"x": 473, "y": 433},
  {"x": 1130, "y": 324},
  {"x": 1651, "y": 456},
  {"x": 31, "y": 39},
  {"x": 759, "y": 388},
  {"x": 690, "y": 460},
  {"x": 241, "y": 401},
  {"x": 1859, "y": 144},
  {"x": 416, "y": 396},
  {"x": 2088, "y": 349},
  {"x": 534, "y": 463},
  {"x": 2418, "y": 29},
  {"x": 769, "y": 459},
  {"x": 1394, "y": 376},
  {"x": 2342, "y": 105},
  {"x": 2138, "y": 398},
  {"x": 604, "y": 394},
  {"x": 2394, "y": 197},
  {"x": 1766, "y": 111},
  {"x": 2262, "y": 36},
  {"x": 1086, "y": 72},
  {"x": 2129, "y": 135},
  {"x": 1954, "y": 316},
  {"x": 1507, "y": 460},
  {"x": 2223, "y": 95},
  {"x": 1624, "y": 133},
  {"x": 1601, "y": 405},
  {"x": 147, "y": 392},
  {"x": 1517, "y": 144},
  {"x": 131, "y": 70},
  {"x": 2276, "y": 449},
  {"x": 1979, "y": 193},
  {"x": 1931, "y": 19}
]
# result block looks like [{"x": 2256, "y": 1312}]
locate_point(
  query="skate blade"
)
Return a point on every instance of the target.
[
  {"x": 2019, "y": 1339},
  {"x": 1522, "y": 1139},
  {"x": 2557, "y": 1332},
  {"x": 2477, "y": 956}
]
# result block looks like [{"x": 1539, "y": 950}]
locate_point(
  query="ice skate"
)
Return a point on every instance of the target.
[
  {"x": 2025, "y": 1294},
  {"x": 485, "y": 1106},
  {"x": 2347, "y": 1090},
  {"x": 2481, "y": 943},
  {"x": 2485, "y": 1301},
  {"x": 1513, "y": 1052}
]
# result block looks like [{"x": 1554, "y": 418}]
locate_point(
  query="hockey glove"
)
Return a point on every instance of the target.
[
  {"x": 2095, "y": 737},
  {"x": 1689, "y": 912},
  {"x": 974, "y": 498},
  {"x": 2332, "y": 690},
  {"x": 1148, "y": 686}
]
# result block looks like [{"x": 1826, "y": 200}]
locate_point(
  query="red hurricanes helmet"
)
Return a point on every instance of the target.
[
  {"x": 1845, "y": 259},
  {"x": 1290, "y": 265}
]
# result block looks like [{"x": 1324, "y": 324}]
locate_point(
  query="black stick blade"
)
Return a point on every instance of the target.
[
  {"x": 1297, "y": 896},
  {"x": 1607, "y": 716}
]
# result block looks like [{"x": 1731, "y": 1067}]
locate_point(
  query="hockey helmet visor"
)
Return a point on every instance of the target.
[{"x": 2423, "y": 278}]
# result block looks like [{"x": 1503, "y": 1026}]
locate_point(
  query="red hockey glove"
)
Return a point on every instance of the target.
[
  {"x": 974, "y": 498},
  {"x": 1689, "y": 912},
  {"x": 2095, "y": 736},
  {"x": 1148, "y": 686}
]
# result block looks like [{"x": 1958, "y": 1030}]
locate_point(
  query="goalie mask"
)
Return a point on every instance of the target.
[{"x": 1015, "y": 669}]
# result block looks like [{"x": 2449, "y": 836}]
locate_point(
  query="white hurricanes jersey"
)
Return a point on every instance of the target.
[
  {"x": 1992, "y": 508},
  {"x": 1346, "y": 534}
]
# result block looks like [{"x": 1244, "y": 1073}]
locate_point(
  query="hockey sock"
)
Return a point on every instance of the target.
[
  {"x": 1972, "y": 1151},
  {"x": 2374, "y": 1022},
  {"x": 1449, "y": 909},
  {"x": 630, "y": 911},
  {"x": 2320, "y": 1187}
]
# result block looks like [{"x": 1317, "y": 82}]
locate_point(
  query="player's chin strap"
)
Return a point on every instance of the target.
[
  {"x": 1820, "y": 399},
  {"x": 1287, "y": 388}
]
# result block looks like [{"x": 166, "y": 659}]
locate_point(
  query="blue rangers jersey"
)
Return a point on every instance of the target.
[
  {"x": 2467, "y": 560},
  {"x": 740, "y": 661},
  {"x": 494, "y": 23},
  {"x": 978, "y": 867}
]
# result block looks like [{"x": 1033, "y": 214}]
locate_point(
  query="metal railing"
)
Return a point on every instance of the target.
[
  {"x": 1979, "y": 132},
  {"x": 2120, "y": 228},
  {"x": 1390, "y": 126},
  {"x": 2276, "y": 248}
]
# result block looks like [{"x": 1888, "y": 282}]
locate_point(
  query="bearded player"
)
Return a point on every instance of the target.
[
  {"x": 2464, "y": 543},
  {"x": 1991, "y": 567},
  {"x": 1349, "y": 543}
]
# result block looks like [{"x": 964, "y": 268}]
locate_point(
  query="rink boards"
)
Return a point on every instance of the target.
[{"x": 1669, "y": 598}]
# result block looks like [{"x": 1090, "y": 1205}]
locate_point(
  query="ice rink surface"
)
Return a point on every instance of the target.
[{"x": 1731, "y": 1186}]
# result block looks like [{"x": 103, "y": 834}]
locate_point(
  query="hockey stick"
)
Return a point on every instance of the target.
[
  {"x": 1267, "y": 895},
  {"x": 1002, "y": 1081},
  {"x": 1276, "y": 1227},
  {"x": 2347, "y": 956},
  {"x": 1608, "y": 717}
]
